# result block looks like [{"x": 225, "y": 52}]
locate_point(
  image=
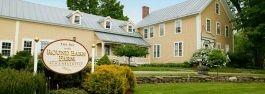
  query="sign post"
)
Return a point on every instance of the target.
[
  {"x": 36, "y": 55},
  {"x": 93, "y": 59},
  {"x": 65, "y": 56}
]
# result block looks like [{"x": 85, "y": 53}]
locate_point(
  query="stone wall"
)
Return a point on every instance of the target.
[{"x": 182, "y": 79}]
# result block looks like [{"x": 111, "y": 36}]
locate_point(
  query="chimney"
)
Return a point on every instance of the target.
[{"x": 145, "y": 11}]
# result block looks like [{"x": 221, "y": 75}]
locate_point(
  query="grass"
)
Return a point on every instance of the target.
[{"x": 201, "y": 88}]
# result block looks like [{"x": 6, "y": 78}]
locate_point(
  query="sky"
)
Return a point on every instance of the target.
[{"x": 132, "y": 8}]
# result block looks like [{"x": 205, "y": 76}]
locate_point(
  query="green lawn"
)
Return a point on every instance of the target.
[{"x": 201, "y": 88}]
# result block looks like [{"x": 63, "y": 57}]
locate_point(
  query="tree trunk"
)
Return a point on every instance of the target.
[{"x": 259, "y": 60}]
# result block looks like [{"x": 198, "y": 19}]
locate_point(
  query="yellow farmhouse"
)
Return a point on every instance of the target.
[
  {"x": 172, "y": 34},
  {"x": 177, "y": 31}
]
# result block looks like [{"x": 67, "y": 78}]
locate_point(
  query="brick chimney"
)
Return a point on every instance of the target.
[{"x": 145, "y": 11}]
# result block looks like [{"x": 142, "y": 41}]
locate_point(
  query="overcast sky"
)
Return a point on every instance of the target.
[{"x": 133, "y": 8}]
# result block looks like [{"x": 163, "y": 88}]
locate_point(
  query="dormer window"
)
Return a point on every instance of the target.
[
  {"x": 130, "y": 29},
  {"x": 107, "y": 25},
  {"x": 77, "y": 19}
]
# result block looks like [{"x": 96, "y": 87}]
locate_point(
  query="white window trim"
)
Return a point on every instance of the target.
[
  {"x": 32, "y": 45},
  {"x": 80, "y": 17},
  {"x": 105, "y": 23},
  {"x": 217, "y": 28},
  {"x": 178, "y": 50},
  {"x": 180, "y": 22},
  {"x": 156, "y": 56},
  {"x": 11, "y": 49},
  {"x": 227, "y": 45},
  {"x": 227, "y": 31},
  {"x": 207, "y": 25},
  {"x": 147, "y": 37},
  {"x": 219, "y": 11},
  {"x": 164, "y": 25},
  {"x": 150, "y": 31}
]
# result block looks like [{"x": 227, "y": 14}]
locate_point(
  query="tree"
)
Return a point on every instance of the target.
[
  {"x": 104, "y": 61},
  {"x": 130, "y": 51},
  {"x": 87, "y": 6},
  {"x": 250, "y": 20},
  {"x": 112, "y": 8}
]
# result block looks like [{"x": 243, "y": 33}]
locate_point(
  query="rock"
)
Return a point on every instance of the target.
[{"x": 232, "y": 79}]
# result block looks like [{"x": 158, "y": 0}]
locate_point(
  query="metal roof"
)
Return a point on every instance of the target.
[
  {"x": 106, "y": 37},
  {"x": 23, "y": 10},
  {"x": 186, "y": 8}
]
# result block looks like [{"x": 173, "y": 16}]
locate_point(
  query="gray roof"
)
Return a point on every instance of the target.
[
  {"x": 186, "y": 8},
  {"x": 23, "y": 10},
  {"x": 121, "y": 39}
]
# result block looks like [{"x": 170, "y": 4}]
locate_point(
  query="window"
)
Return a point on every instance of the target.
[
  {"x": 77, "y": 19},
  {"x": 226, "y": 31},
  {"x": 218, "y": 46},
  {"x": 217, "y": 8},
  {"x": 145, "y": 33},
  {"x": 27, "y": 46},
  {"x": 157, "y": 50},
  {"x": 107, "y": 49},
  {"x": 218, "y": 28},
  {"x": 130, "y": 29},
  {"x": 43, "y": 44},
  {"x": 6, "y": 49},
  {"x": 178, "y": 49},
  {"x": 178, "y": 26},
  {"x": 151, "y": 32},
  {"x": 208, "y": 25},
  {"x": 107, "y": 25},
  {"x": 162, "y": 29}
]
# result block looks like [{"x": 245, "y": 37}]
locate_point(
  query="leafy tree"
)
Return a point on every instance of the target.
[
  {"x": 112, "y": 8},
  {"x": 87, "y": 6},
  {"x": 250, "y": 20},
  {"x": 130, "y": 51},
  {"x": 104, "y": 60}
]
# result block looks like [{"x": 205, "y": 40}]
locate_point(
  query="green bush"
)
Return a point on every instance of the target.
[
  {"x": 110, "y": 79},
  {"x": 3, "y": 61},
  {"x": 21, "y": 82},
  {"x": 20, "y": 61},
  {"x": 69, "y": 91},
  {"x": 104, "y": 60},
  {"x": 209, "y": 57}
]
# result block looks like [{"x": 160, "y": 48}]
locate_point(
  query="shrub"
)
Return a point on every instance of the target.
[
  {"x": 104, "y": 60},
  {"x": 209, "y": 57},
  {"x": 110, "y": 79},
  {"x": 21, "y": 82},
  {"x": 3, "y": 61},
  {"x": 69, "y": 91},
  {"x": 165, "y": 65},
  {"x": 240, "y": 60},
  {"x": 20, "y": 61}
]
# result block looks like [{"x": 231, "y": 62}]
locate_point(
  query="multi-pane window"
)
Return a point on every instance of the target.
[
  {"x": 145, "y": 33},
  {"x": 157, "y": 50},
  {"x": 6, "y": 49},
  {"x": 218, "y": 45},
  {"x": 178, "y": 49},
  {"x": 27, "y": 46},
  {"x": 218, "y": 28},
  {"x": 130, "y": 29},
  {"x": 107, "y": 49},
  {"x": 108, "y": 24},
  {"x": 43, "y": 44},
  {"x": 217, "y": 8},
  {"x": 208, "y": 25},
  {"x": 178, "y": 26},
  {"x": 151, "y": 30},
  {"x": 226, "y": 31},
  {"x": 77, "y": 19},
  {"x": 162, "y": 29}
]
